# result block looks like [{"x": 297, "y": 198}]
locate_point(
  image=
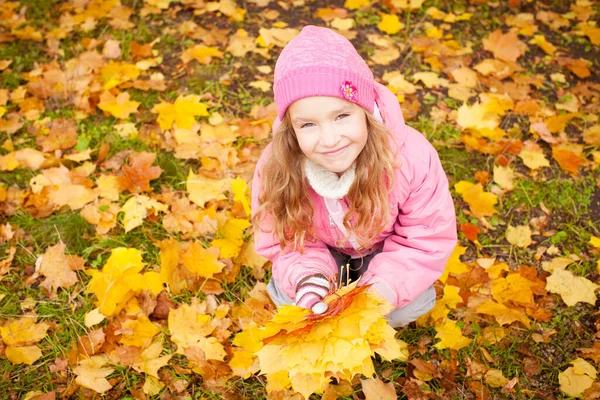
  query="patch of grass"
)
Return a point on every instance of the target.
[
  {"x": 10, "y": 80},
  {"x": 24, "y": 54},
  {"x": 174, "y": 173},
  {"x": 559, "y": 193},
  {"x": 40, "y": 10},
  {"x": 68, "y": 227}
]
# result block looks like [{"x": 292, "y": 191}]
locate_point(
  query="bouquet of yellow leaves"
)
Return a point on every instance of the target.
[{"x": 304, "y": 350}]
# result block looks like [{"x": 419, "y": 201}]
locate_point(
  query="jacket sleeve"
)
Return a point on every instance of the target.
[
  {"x": 288, "y": 267},
  {"x": 415, "y": 255}
]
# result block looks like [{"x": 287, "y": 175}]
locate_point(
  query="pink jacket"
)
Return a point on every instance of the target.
[{"x": 418, "y": 241}]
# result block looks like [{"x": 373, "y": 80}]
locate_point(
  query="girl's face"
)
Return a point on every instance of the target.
[{"x": 330, "y": 131}]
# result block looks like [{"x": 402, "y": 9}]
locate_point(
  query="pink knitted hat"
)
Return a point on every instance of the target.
[{"x": 320, "y": 62}]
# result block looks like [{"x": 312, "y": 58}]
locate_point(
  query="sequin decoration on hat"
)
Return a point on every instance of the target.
[{"x": 349, "y": 91}]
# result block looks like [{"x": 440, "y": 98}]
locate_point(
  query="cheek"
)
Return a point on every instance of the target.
[{"x": 306, "y": 143}]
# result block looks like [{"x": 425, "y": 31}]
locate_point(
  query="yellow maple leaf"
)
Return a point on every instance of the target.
[
  {"x": 182, "y": 113},
  {"x": 443, "y": 306},
  {"x": 571, "y": 288},
  {"x": 119, "y": 279},
  {"x": 576, "y": 379},
  {"x": 450, "y": 336},
  {"x": 150, "y": 361},
  {"x": 430, "y": 79},
  {"x": 23, "y": 330},
  {"x": 515, "y": 288},
  {"x": 390, "y": 24},
  {"x": 232, "y": 237},
  {"x": 200, "y": 53},
  {"x": 136, "y": 209},
  {"x": 243, "y": 363},
  {"x": 92, "y": 374},
  {"x": 479, "y": 120},
  {"x": 239, "y": 189},
  {"x": 534, "y": 159},
  {"x": 115, "y": 73},
  {"x": 356, "y": 4},
  {"x": 454, "y": 265},
  {"x": 481, "y": 203},
  {"x": 138, "y": 332},
  {"x": 169, "y": 261},
  {"x": 202, "y": 262},
  {"x": 119, "y": 106},
  {"x": 202, "y": 189},
  {"x": 519, "y": 236},
  {"x": 190, "y": 327},
  {"x": 23, "y": 354},
  {"x": 503, "y": 314}
]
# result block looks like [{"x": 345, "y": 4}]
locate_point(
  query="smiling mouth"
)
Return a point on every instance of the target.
[{"x": 335, "y": 152}]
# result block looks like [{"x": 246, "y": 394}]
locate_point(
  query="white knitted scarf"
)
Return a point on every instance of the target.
[{"x": 327, "y": 183}]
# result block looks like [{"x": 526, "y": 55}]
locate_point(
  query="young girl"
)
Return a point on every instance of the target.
[{"x": 346, "y": 182}]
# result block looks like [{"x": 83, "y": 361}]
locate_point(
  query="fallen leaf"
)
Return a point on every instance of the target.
[
  {"x": 375, "y": 389},
  {"x": 182, "y": 113},
  {"x": 118, "y": 106},
  {"x": 450, "y": 336},
  {"x": 519, "y": 236},
  {"x": 59, "y": 268},
  {"x": 92, "y": 374},
  {"x": 574, "y": 380},
  {"x": 572, "y": 289},
  {"x": 140, "y": 172},
  {"x": 505, "y": 46},
  {"x": 390, "y": 24}
]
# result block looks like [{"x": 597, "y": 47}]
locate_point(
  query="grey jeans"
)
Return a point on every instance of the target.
[{"x": 398, "y": 317}]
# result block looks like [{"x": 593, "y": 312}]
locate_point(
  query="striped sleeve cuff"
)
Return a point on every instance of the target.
[{"x": 311, "y": 289}]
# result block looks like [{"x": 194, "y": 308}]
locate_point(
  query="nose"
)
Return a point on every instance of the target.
[{"x": 329, "y": 136}]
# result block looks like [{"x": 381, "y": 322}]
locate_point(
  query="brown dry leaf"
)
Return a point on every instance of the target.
[
  {"x": 59, "y": 268},
  {"x": 138, "y": 174},
  {"x": 375, "y": 389},
  {"x": 505, "y": 47},
  {"x": 580, "y": 66},
  {"x": 62, "y": 134},
  {"x": 6, "y": 263}
]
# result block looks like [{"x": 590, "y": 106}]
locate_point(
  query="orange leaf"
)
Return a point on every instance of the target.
[
  {"x": 471, "y": 231},
  {"x": 568, "y": 160},
  {"x": 506, "y": 47},
  {"x": 139, "y": 172}
]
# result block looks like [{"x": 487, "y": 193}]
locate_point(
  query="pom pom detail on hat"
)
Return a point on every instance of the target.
[{"x": 321, "y": 62}]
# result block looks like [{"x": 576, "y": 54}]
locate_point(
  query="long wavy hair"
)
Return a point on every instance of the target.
[{"x": 285, "y": 200}]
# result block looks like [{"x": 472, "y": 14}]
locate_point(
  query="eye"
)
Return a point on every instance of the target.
[
  {"x": 306, "y": 125},
  {"x": 342, "y": 116}
]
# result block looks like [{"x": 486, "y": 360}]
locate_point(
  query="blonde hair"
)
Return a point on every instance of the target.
[{"x": 285, "y": 199}]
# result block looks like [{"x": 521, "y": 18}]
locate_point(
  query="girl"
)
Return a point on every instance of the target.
[{"x": 346, "y": 182}]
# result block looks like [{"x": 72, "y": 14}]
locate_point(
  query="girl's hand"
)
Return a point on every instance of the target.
[{"x": 310, "y": 291}]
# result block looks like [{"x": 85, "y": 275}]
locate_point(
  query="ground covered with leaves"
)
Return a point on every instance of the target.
[{"x": 129, "y": 134}]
